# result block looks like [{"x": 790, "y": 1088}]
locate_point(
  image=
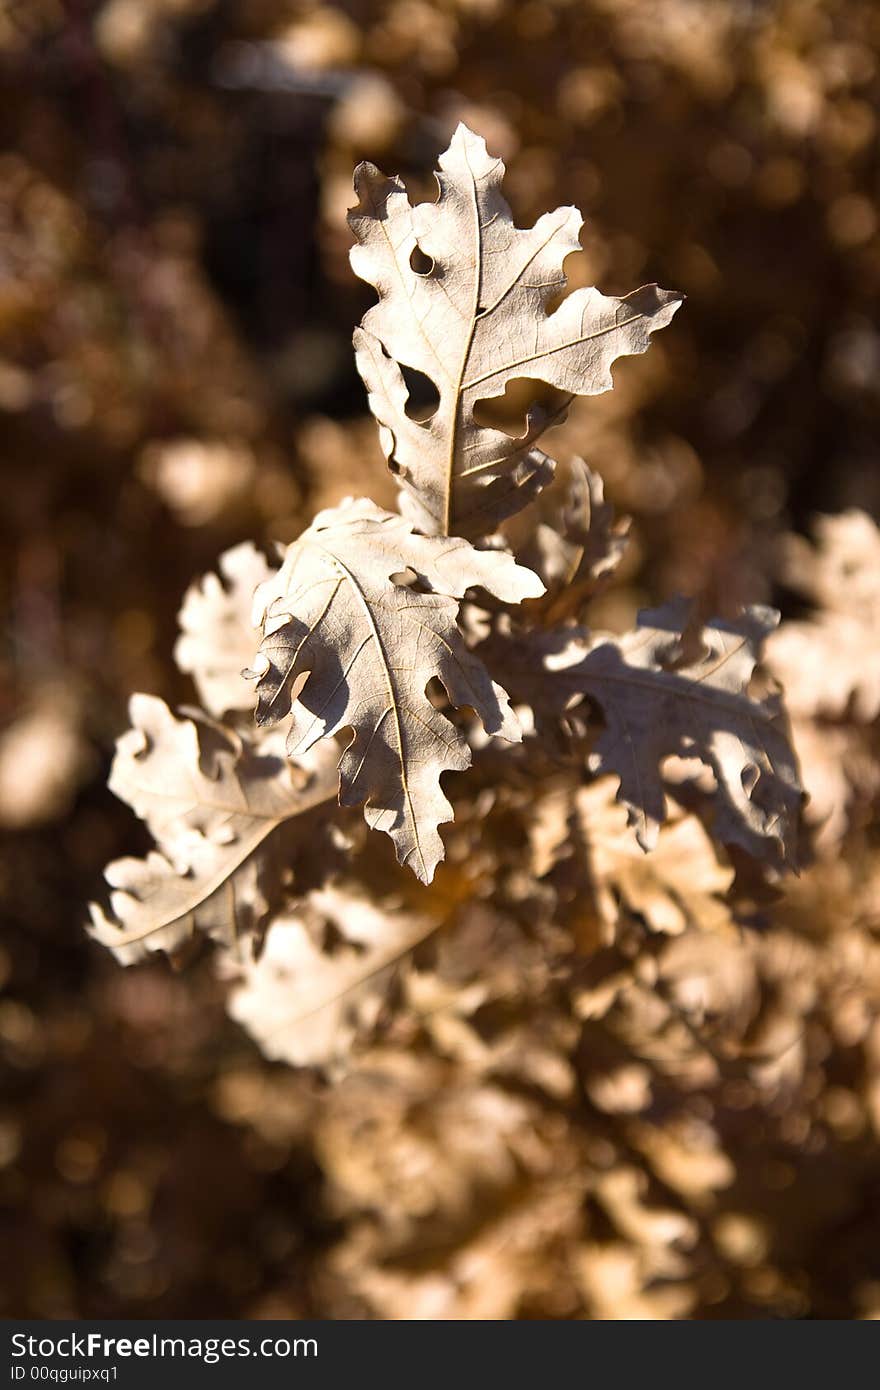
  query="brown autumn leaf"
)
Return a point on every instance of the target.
[
  {"x": 211, "y": 801},
  {"x": 216, "y": 639},
  {"x": 463, "y": 300},
  {"x": 657, "y": 702},
  {"x": 311, "y": 1003},
  {"x": 346, "y": 646}
]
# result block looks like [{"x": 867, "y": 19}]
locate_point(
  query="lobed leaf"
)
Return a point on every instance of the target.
[
  {"x": 217, "y": 639},
  {"x": 347, "y": 646},
  {"x": 463, "y": 300},
  {"x": 211, "y": 802},
  {"x": 658, "y": 702}
]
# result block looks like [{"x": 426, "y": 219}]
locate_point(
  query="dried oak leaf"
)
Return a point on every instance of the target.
[
  {"x": 217, "y": 640},
  {"x": 346, "y": 646},
  {"x": 658, "y": 703},
  {"x": 463, "y": 300},
  {"x": 211, "y": 802},
  {"x": 578, "y": 554},
  {"x": 311, "y": 1005}
]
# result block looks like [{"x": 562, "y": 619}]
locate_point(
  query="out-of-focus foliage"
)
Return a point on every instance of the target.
[{"x": 661, "y": 1101}]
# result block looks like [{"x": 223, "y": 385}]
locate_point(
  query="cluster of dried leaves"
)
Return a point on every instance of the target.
[
  {"x": 601, "y": 1083},
  {"x": 359, "y": 622},
  {"x": 546, "y": 1047}
]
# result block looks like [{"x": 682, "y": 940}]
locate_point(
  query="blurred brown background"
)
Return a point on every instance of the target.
[{"x": 176, "y": 375}]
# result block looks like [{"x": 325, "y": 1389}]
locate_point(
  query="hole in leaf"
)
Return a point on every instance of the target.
[
  {"x": 424, "y": 397},
  {"x": 509, "y": 413},
  {"x": 436, "y": 693},
  {"x": 684, "y": 774},
  {"x": 420, "y": 263},
  {"x": 404, "y": 578}
]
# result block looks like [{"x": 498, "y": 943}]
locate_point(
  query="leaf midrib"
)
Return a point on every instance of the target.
[
  {"x": 244, "y": 848},
  {"x": 364, "y": 604},
  {"x": 466, "y": 352}
]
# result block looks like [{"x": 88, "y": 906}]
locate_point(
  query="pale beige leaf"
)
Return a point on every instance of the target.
[
  {"x": 211, "y": 802},
  {"x": 829, "y": 666},
  {"x": 829, "y": 663},
  {"x": 463, "y": 299},
  {"x": 311, "y": 1004},
  {"x": 654, "y": 708},
  {"x": 347, "y": 647},
  {"x": 840, "y": 572},
  {"x": 217, "y": 640}
]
